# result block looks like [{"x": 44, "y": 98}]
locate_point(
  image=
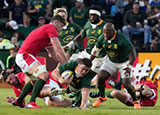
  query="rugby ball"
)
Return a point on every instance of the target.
[{"x": 67, "y": 73}]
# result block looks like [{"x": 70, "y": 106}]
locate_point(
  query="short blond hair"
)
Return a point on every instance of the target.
[{"x": 57, "y": 10}]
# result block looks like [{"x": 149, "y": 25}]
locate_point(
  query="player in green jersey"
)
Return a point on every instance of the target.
[
  {"x": 79, "y": 83},
  {"x": 68, "y": 32},
  {"x": 121, "y": 55},
  {"x": 92, "y": 30}
]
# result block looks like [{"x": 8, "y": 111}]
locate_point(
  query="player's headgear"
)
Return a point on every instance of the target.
[{"x": 95, "y": 11}]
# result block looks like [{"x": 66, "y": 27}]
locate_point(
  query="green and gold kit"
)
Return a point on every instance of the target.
[
  {"x": 38, "y": 4},
  {"x": 68, "y": 33},
  {"x": 77, "y": 82},
  {"x": 92, "y": 35},
  {"x": 79, "y": 17},
  {"x": 118, "y": 49}
]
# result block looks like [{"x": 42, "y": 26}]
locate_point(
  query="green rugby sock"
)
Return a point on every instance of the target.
[
  {"x": 26, "y": 89},
  {"x": 36, "y": 89}
]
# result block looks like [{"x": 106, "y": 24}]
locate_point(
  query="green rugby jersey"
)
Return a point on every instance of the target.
[
  {"x": 38, "y": 4},
  {"x": 79, "y": 17},
  {"x": 80, "y": 82},
  {"x": 67, "y": 34},
  {"x": 118, "y": 50},
  {"x": 92, "y": 35}
]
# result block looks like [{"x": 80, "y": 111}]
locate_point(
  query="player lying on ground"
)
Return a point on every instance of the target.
[
  {"x": 78, "y": 83},
  {"x": 17, "y": 81},
  {"x": 146, "y": 92}
]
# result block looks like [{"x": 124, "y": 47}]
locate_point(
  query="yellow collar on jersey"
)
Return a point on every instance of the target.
[{"x": 100, "y": 22}]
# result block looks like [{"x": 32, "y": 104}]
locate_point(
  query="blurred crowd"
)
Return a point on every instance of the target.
[{"x": 139, "y": 20}]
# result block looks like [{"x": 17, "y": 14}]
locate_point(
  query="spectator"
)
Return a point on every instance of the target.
[
  {"x": 120, "y": 6},
  {"x": 68, "y": 4},
  {"x": 10, "y": 24},
  {"x": 6, "y": 44},
  {"x": 155, "y": 45},
  {"x": 4, "y": 9},
  {"x": 145, "y": 4},
  {"x": 41, "y": 21},
  {"x": 133, "y": 23},
  {"x": 14, "y": 41},
  {"x": 17, "y": 12},
  {"x": 118, "y": 17},
  {"x": 155, "y": 12},
  {"x": 79, "y": 14},
  {"x": 128, "y": 6},
  {"x": 37, "y": 8},
  {"x": 11, "y": 65},
  {"x": 20, "y": 37},
  {"x": 150, "y": 10},
  {"x": 155, "y": 3},
  {"x": 110, "y": 4}
]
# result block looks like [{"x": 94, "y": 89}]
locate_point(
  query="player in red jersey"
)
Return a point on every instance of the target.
[
  {"x": 45, "y": 36},
  {"x": 146, "y": 91},
  {"x": 17, "y": 81}
]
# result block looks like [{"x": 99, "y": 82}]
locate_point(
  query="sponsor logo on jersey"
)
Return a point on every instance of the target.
[
  {"x": 92, "y": 40},
  {"x": 68, "y": 38},
  {"x": 112, "y": 54}
]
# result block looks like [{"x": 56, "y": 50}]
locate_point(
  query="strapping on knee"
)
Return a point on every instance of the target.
[{"x": 39, "y": 70}]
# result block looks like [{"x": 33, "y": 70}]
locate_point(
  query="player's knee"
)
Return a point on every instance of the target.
[{"x": 41, "y": 73}]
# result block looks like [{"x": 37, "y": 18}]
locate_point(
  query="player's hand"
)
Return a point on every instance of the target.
[
  {"x": 65, "y": 48},
  {"x": 66, "y": 81},
  {"x": 10, "y": 99}
]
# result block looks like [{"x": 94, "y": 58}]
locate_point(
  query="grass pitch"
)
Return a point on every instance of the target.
[{"x": 110, "y": 107}]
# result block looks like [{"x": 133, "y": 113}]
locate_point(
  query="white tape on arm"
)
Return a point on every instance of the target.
[
  {"x": 70, "y": 44},
  {"x": 95, "y": 51}
]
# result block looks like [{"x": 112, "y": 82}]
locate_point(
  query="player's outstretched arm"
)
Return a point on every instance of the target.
[
  {"x": 78, "y": 38},
  {"x": 85, "y": 93},
  {"x": 60, "y": 54}
]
